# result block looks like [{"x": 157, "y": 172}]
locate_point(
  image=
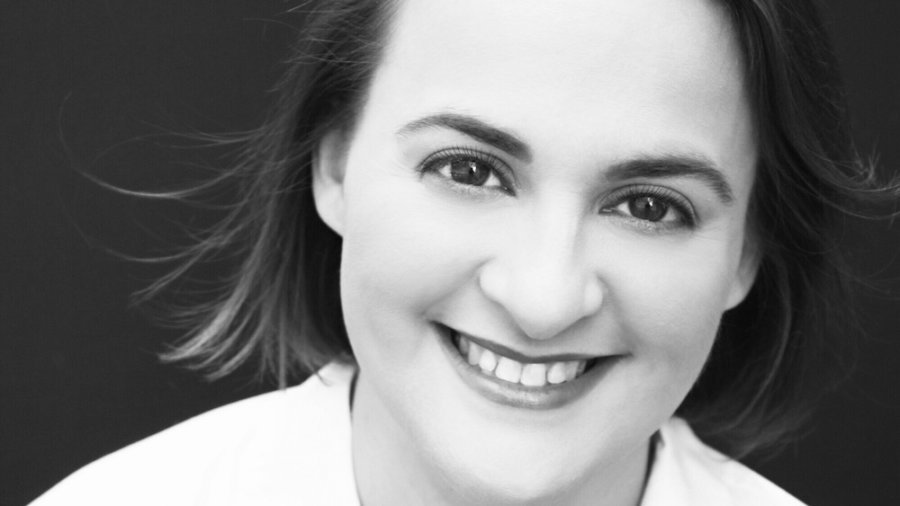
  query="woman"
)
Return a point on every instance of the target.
[{"x": 533, "y": 245}]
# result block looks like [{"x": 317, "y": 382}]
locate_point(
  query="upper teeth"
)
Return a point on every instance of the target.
[{"x": 513, "y": 371}]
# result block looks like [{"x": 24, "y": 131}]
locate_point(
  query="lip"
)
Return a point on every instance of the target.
[
  {"x": 516, "y": 395},
  {"x": 521, "y": 357}
]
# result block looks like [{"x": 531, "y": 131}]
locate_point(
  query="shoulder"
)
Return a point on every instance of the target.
[
  {"x": 248, "y": 452},
  {"x": 686, "y": 471}
]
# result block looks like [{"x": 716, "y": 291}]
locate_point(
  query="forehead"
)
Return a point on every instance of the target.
[
  {"x": 606, "y": 65},
  {"x": 579, "y": 32}
]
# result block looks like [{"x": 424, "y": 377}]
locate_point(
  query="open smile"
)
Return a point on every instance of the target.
[
  {"x": 507, "y": 377},
  {"x": 505, "y": 365}
]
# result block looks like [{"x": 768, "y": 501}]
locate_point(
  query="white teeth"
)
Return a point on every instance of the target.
[
  {"x": 509, "y": 370},
  {"x": 513, "y": 371},
  {"x": 534, "y": 375},
  {"x": 488, "y": 361},
  {"x": 556, "y": 373},
  {"x": 571, "y": 370},
  {"x": 463, "y": 346},
  {"x": 474, "y": 354}
]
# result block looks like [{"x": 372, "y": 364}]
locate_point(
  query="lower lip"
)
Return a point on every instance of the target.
[{"x": 517, "y": 395}]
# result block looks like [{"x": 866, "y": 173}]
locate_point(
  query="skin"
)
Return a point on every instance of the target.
[{"x": 549, "y": 261}]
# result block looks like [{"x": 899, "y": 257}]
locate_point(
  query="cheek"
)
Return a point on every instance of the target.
[
  {"x": 402, "y": 254},
  {"x": 668, "y": 300}
]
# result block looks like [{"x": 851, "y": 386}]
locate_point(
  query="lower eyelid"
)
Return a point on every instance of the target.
[{"x": 479, "y": 192}]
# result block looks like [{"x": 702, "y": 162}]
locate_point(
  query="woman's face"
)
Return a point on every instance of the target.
[{"x": 563, "y": 184}]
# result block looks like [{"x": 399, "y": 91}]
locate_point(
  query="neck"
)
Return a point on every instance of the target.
[{"x": 390, "y": 468}]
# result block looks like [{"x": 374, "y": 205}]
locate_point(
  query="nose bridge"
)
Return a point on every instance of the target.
[
  {"x": 544, "y": 278},
  {"x": 554, "y": 250}
]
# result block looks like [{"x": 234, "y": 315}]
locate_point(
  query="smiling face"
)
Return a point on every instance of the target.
[{"x": 562, "y": 184}]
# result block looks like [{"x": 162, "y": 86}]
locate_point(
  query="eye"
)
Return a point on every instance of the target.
[
  {"x": 467, "y": 167},
  {"x": 653, "y": 207}
]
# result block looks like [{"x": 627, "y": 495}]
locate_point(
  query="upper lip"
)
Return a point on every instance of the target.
[{"x": 504, "y": 351}]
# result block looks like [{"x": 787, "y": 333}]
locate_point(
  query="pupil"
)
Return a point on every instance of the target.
[
  {"x": 647, "y": 208},
  {"x": 469, "y": 172}
]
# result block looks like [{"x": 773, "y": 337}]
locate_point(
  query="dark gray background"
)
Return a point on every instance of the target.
[{"x": 96, "y": 85}]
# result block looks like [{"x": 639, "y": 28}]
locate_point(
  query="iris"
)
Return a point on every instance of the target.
[
  {"x": 469, "y": 171},
  {"x": 648, "y": 208}
]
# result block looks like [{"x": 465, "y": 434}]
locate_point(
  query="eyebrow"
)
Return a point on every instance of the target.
[
  {"x": 474, "y": 128},
  {"x": 672, "y": 166}
]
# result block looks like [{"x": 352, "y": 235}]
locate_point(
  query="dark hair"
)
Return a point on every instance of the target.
[
  {"x": 282, "y": 303},
  {"x": 759, "y": 382}
]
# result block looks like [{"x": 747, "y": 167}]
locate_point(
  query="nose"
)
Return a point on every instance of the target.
[{"x": 543, "y": 278}]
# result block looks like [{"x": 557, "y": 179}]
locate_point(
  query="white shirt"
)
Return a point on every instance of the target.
[{"x": 292, "y": 447}]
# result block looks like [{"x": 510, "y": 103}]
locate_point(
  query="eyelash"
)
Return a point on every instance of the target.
[
  {"x": 687, "y": 217},
  {"x": 498, "y": 168},
  {"x": 675, "y": 202}
]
